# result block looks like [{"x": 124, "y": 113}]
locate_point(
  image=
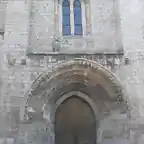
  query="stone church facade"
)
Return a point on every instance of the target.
[{"x": 50, "y": 64}]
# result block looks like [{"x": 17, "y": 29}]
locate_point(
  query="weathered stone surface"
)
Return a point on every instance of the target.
[{"x": 115, "y": 34}]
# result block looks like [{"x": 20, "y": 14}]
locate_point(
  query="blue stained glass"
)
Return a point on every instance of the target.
[
  {"x": 66, "y": 11},
  {"x": 77, "y": 3},
  {"x": 66, "y": 30},
  {"x": 66, "y": 3},
  {"x": 66, "y": 18},
  {"x": 78, "y": 30},
  {"x": 77, "y": 18}
]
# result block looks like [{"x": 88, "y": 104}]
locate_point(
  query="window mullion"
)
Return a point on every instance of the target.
[
  {"x": 72, "y": 17},
  {"x": 83, "y": 17}
]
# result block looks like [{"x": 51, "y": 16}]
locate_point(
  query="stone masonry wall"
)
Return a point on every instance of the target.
[
  {"x": 42, "y": 24},
  {"x": 105, "y": 24},
  {"x": 19, "y": 70},
  {"x": 105, "y": 36},
  {"x": 131, "y": 13}
]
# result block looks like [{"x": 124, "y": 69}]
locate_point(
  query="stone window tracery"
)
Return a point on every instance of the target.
[{"x": 72, "y": 17}]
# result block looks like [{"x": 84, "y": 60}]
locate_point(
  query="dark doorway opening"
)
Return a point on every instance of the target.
[{"x": 75, "y": 122}]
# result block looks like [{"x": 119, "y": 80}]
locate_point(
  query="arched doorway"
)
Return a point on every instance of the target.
[
  {"x": 104, "y": 93},
  {"x": 75, "y": 122}
]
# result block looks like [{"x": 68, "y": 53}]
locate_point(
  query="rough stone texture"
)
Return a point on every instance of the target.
[
  {"x": 115, "y": 26},
  {"x": 105, "y": 36},
  {"x": 133, "y": 47}
]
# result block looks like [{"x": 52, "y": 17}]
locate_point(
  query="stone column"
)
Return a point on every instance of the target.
[
  {"x": 47, "y": 115},
  {"x": 88, "y": 20},
  {"x": 50, "y": 132},
  {"x": 99, "y": 136},
  {"x": 57, "y": 15},
  {"x": 72, "y": 17}
]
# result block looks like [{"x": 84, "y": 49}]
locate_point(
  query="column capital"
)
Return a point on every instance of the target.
[{"x": 71, "y": 2}]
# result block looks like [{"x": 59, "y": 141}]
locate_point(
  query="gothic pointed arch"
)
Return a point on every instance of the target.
[
  {"x": 66, "y": 28},
  {"x": 78, "y": 30}
]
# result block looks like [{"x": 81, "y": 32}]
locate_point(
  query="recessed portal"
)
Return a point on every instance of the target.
[{"x": 75, "y": 122}]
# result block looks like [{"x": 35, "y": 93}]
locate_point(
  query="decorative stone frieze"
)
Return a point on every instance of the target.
[{"x": 111, "y": 61}]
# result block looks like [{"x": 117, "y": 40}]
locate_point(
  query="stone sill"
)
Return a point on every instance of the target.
[
  {"x": 90, "y": 51},
  {"x": 29, "y": 53}
]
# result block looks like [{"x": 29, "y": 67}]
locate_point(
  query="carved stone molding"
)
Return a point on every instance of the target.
[{"x": 64, "y": 69}]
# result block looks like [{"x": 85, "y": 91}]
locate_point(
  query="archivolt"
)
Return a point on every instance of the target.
[{"x": 54, "y": 82}]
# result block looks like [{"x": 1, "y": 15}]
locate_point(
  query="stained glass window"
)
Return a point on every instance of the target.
[
  {"x": 77, "y": 18},
  {"x": 66, "y": 18}
]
